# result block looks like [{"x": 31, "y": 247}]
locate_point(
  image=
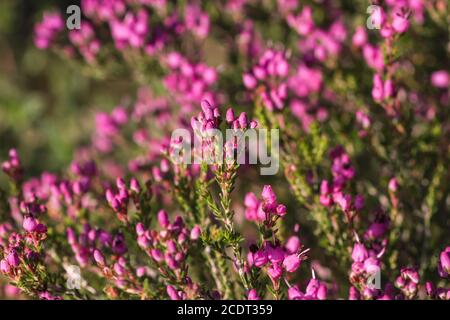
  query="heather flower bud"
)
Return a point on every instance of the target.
[
  {"x": 249, "y": 81},
  {"x": 4, "y": 266},
  {"x": 281, "y": 210},
  {"x": 293, "y": 244},
  {"x": 353, "y": 294},
  {"x": 377, "y": 90},
  {"x": 120, "y": 182},
  {"x": 99, "y": 258},
  {"x": 444, "y": 260},
  {"x": 243, "y": 120},
  {"x": 143, "y": 242},
  {"x": 29, "y": 224},
  {"x": 393, "y": 184},
  {"x": 163, "y": 219},
  {"x": 440, "y": 79},
  {"x": 359, "y": 253},
  {"x": 157, "y": 255},
  {"x": 172, "y": 292},
  {"x": 360, "y": 37},
  {"x": 230, "y": 115},
  {"x": 195, "y": 232},
  {"x": 140, "y": 229},
  {"x": 171, "y": 262},
  {"x": 171, "y": 246},
  {"x": 119, "y": 269},
  {"x": 13, "y": 259},
  {"x": 268, "y": 195},
  {"x": 134, "y": 186},
  {"x": 429, "y": 287},
  {"x": 253, "y": 295}
]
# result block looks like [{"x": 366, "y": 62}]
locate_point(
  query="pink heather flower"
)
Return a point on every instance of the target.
[
  {"x": 46, "y": 31},
  {"x": 275, "y": 254},
  {"x": 359, "y": 253},
  {"x": 400, "y": 23},
  {"x": 373, "y": 57},
  {"x": 393, "y": 184},
  {"x": 41, "y": 228},
  {"x": 371, "y": 265},
  {"x": 171, "y": 246},
  {"x": 303, "y": 23},
  {"x": 134, "y": 186},
  {"x": 163, "y": 219},
  {"x": 195, "y": 232},
  {"x": 268, "y": 195},
  {"x": 4, "y": 266},
  {"x": 294, "y": 293},
  {"x": 30, "y": 224},
  {"x": 13, "y": 259},
  {"x": 353, "y": 294},
  {"x": 275, "y": 271},
  {"x": 293, "y": 244},
  {"x": 260, "y": 258},
  {"x": 173, "y": 293},
  {"x": 343, "y": 200},
  {"x": 47, "y": 296},
  {"x": 410, "y": 274},
  {"x": 429, "y": 287},
  {"x": 119, "y": 269},
  {"x": 359, "y": 202},
  {"x": 118, "y": 245},
  {"x": 251, "y": 200},
  {"x": 140, "y": 229},
  {"x": 249, "y": 81},
  {"x": 444, "y": 263},
  {"x": 291, "y": 262},
  {"x": 377, "y": 90},
  {"x": 286, "y": 6},
  {"x": 197, "y": 21},
  {"x": 316, "y": 290},
  {"x": 141, "y": 271},
  {"x": 281, "y": 210},
  {"x": 388, "y": 89},
  {"x": 440, "y": 79},
  {"x": 253, "y": 295},
  {"x": 98, "y": 257},
  {"x": 230, "y": 115},
  {"x": 157, "y": 255},
  {"x": 11, "y": 291},
  {"x": 143, "y": 241},
  {"x": 360, "y": 37}
]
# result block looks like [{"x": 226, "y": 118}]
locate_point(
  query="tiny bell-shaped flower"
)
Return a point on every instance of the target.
[{"x": 99, "y": 258}]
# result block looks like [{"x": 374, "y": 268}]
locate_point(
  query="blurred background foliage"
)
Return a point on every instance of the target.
[{"x": 46, "y": 106}]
